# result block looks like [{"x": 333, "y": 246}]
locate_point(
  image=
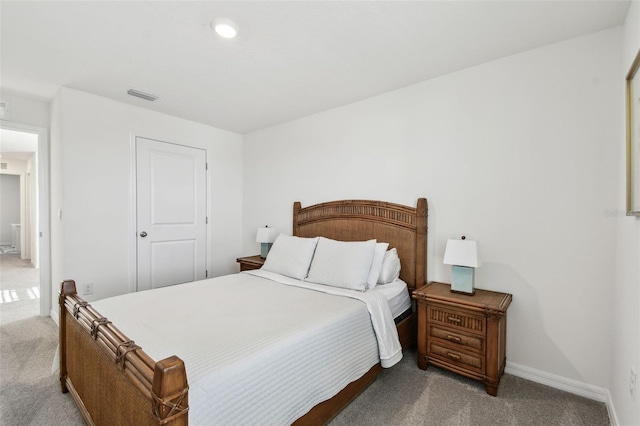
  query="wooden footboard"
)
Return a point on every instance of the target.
[
  {"x": 114, "y": 382},
  {"x": 111, "y": 379}
]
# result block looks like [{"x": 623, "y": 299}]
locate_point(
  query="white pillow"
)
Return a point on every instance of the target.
[
  {"x": 376, "y": 264},
  {"x": 342, "y": 264},
  {"x": 390, "y": 267},
  {"x": 290, "y": 256}
]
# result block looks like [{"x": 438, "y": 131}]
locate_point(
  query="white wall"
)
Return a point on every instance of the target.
[
  {"x": 21, "y": 212},
  {"x": 14, "y": 166},
  {"x": 26, "y": 175},
  {"x": 26, "y": 109},
  {"x": 91, "y": 160},
  {"x": 625, "y": 348},
  {"x": 514, "y": 153},
  {"x": 9, "y": 206}
]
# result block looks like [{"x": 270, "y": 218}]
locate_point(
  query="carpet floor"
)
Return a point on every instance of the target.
[
  {"x": 29, "y": 392},
  {"x": 19, "y": 288},
  {"x": 403, "y": 395}
]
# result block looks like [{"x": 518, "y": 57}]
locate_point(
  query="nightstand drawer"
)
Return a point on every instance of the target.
[
  {"x": 456, "y": 319},
  {"x": 461, "y": 359},
  {"x": 469, "y": 341}
]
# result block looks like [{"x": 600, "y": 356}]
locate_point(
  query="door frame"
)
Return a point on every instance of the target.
[
  {"x": 44, "y": 194},
  {"x": 133, "y": 197}
]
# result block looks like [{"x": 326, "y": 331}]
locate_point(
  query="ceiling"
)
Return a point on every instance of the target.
[
  {"x": 17, "y": 145},
  {"x": 290, "y": 59}
]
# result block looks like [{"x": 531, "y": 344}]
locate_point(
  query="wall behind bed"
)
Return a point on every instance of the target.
[
  {"x": 520, "y": 154},
  {"x": 91, "y": 183}
]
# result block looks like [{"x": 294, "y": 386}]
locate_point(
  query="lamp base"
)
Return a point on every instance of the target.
[
  {"x": 462, "y": 278},
  {"x": 264, "y": 249}
]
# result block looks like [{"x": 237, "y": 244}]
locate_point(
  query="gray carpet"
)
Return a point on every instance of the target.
[
  {"x": 29, "y": 393},
  {"x": 406, "y": 395},
  {"x": 19, "y": 288},
  {"x": 402, "y": 395}
]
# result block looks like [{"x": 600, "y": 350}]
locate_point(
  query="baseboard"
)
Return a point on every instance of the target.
[
  {"x": 568, "y": 385},
  {"x": 613, "y": 418}
]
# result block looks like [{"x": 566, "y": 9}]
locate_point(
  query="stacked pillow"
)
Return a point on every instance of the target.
[
  {"x": 390, "y": 267},
  {"x": 342, "y": 264},
  {"x": 290, "y": 256},
  {"x": 376, "y": 264},
  {"x": 354, "y": 265}
]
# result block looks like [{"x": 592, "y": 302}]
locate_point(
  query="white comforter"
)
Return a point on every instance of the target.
[
  {"x": 257, "y": 351},
  {"x": 386, "y": 332}
]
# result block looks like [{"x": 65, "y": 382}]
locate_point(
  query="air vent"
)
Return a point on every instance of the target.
[
  {"x": 4, "y": 109},
  {"x": 142, "y": 95},
  {"x": 3, "y": 166}
]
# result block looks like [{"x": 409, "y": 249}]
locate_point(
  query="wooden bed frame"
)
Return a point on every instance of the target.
[{"x": 114, "y": 382}]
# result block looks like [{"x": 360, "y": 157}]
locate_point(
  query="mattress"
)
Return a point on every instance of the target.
[
  {"x": 397, "y": 295},
  {"x": 286, "y": 349}
]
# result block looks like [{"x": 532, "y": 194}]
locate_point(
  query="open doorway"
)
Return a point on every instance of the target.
[{"x": 25, "y": 288}]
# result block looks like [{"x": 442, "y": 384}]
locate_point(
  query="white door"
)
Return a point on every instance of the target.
[{"x": 171, "y": 213}]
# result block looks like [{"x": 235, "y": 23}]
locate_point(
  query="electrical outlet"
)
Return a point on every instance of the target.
[
  {"x": 632, "y": 383},
  {"x": 87, "y": 288}
]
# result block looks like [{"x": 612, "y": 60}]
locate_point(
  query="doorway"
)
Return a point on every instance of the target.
[
  {"x": 25, "y": 278},
  {"x": 171, "y": 214}
]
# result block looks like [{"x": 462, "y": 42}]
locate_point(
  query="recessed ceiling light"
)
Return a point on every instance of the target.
[
  {"x": 224, "y": 28},
  {"x": 225, "y": 31}
]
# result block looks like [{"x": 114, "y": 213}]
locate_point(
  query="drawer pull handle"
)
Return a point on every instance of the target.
[
  {"x": 453, "y": 356},
  {"x": 454, "y": 338},
  {"x": 454, "y": 319}
]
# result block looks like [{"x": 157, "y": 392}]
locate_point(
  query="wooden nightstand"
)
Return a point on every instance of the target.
[
  {"x": 464, "y": 334},
  {"x": 250, "y": 262}
]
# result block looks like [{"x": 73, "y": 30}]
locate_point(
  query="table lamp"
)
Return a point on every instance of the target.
[
  {"x": 462, "y": 254},
  {"x": 266, "y": 236}
]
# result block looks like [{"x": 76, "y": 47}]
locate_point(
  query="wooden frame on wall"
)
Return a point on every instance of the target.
[{"x": 633, "y": 138}]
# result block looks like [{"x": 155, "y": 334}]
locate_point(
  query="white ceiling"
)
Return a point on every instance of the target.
[
  {"x": 290, "y": 59},
  {"x": 17, "y": 145}
]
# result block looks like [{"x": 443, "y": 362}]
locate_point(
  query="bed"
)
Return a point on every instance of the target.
[{"x": 115, "y": 381}]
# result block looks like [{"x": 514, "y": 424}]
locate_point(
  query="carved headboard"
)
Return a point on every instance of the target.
[{"x": 403, "y": 227}]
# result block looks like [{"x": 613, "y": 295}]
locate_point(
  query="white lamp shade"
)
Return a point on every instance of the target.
[
  {"x": 461, "y": 253},
  {"x": 266, "y": 235}
]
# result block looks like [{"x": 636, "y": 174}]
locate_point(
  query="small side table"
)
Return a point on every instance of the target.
[
  {"x": 463, "y": 333},
  {"x": 250, "y": 262}
]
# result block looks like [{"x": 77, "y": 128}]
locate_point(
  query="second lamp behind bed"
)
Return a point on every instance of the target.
[{"x": 266, "y": 236}]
